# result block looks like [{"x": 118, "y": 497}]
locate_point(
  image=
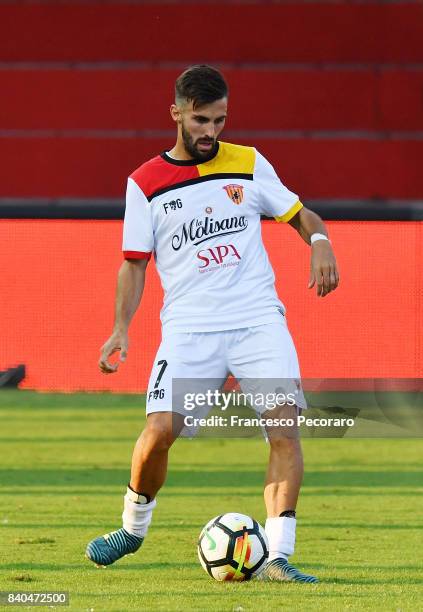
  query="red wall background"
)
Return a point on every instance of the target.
[
  {"x": 58, "y": 282},
  {"x": 331, "y": 92}
]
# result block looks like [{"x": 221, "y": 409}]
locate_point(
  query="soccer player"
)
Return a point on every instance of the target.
[{"x": 197, "y": 207}]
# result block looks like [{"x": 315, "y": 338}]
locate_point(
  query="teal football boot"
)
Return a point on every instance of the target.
[
  {"x": 107, "y": 549},
  {"x": 279, "y": 570}
]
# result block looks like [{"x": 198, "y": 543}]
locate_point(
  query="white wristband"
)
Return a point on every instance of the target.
[{"x": 316, "y": 236}]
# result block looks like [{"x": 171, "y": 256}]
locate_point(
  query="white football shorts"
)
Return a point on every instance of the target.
[{"x": 262, "y": 358}]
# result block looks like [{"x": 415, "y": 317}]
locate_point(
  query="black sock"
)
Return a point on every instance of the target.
[
  {"x": 288, "y": 513},
  {"x": 146, "y": 495}
]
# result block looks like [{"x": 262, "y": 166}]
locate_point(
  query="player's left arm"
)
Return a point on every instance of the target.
[{"x": 323, "y": 267}]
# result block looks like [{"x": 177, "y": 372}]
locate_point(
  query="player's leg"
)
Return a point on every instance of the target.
[
  {"x": 149, "y": 460},
  {"x": 282, "y": 487},
  {"x": 150, "y": 455},
  {"x": 148, "y": 473},
  {"x": 179, "y": 356},
  {"x": 285, "y": 468},
  {"x": 264, "y": 360}
]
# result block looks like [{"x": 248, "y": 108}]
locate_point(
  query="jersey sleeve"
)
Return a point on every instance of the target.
[
  {"x": 275, "y": 200},
  {"x": 138, "y": 238}
]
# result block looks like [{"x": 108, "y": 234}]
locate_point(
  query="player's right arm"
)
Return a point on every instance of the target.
[
  {"x": 138, "y": 244},
  {"x": 130, "y": 286}
]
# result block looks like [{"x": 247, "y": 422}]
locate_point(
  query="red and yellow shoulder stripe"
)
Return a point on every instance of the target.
[{"x": 160, "y": 175}]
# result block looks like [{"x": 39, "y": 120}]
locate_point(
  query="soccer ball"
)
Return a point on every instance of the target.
[{"x": 232, "y": 546}]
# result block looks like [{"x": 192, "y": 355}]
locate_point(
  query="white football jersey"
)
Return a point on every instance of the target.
[{"x": 202, "y": 222}]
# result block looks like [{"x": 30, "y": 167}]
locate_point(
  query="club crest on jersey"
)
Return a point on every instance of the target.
[{"x": 235, "y": 192}]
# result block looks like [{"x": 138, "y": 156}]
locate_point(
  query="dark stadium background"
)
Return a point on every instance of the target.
[{"x": 330, "y": 92}]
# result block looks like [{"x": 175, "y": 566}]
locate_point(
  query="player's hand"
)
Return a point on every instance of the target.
[
  {"x": 118, "y": 341},
  {"x": 323, "y": 271}
]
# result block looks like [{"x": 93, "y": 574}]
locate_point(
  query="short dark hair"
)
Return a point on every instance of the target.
[{"x": 202, "y": 84}]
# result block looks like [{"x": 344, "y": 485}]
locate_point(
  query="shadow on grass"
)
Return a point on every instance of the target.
[
  {"x": 157, "y": 566},
  {"x": 86, "y": 564},
  {"x": 158, "y": 526},
  {"x": 91, "y": 526},
  {"x": 22, "y": 398},
  {"x": 404, "y": 526},
  {"x": 371, "y": 581},
  {"x": 205, "y": 478},
  {"x": 315, "y": 492},
  {"x": 356, "y": 567}
]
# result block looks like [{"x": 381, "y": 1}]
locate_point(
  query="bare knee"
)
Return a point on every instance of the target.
[
  {"x": 285, "y": 446},
  {"x": 158, "y": 435}
]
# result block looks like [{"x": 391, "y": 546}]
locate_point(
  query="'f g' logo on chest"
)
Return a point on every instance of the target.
[{"x": 173, "y": 205}]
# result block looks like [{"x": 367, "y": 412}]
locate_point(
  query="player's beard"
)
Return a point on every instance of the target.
[{"x": 191, "y": 146}]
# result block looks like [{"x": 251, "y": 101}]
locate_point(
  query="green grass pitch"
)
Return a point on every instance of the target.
[{"x": 63, "y": 470}]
